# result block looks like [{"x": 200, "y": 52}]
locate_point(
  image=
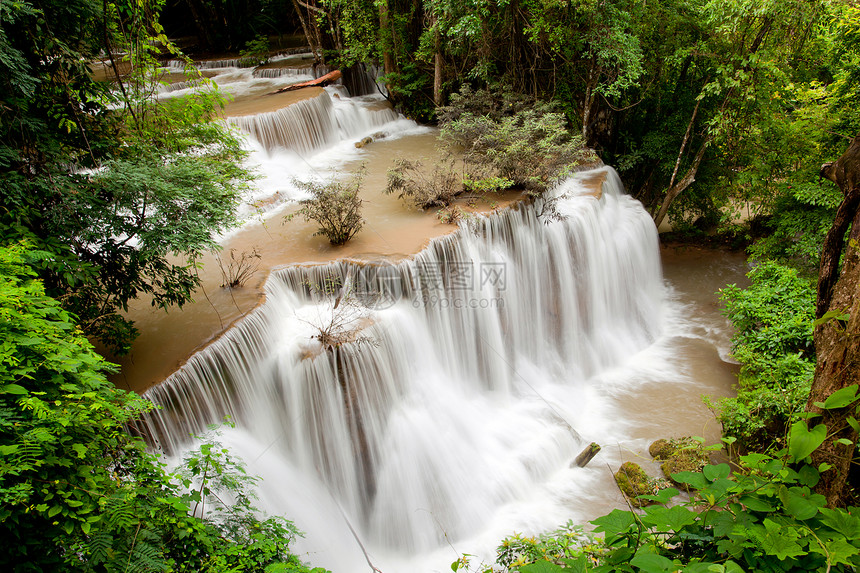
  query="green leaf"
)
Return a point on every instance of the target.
[
  {"x": 652, "y": 563},
  {"x": 578, "y": 565},
  {"x": 841, "y": 398},
  {"x": 669, "y": 518},
  {"x": 695, "y": 479},
  {"x": 716, "y": 472},
  {"x": 777, "y": 540},
  {"x": 14, "y": 389},
  {"x": 802, "y": 441},
  {"x": 842, "y": 522},
  {"x": 803, "y": 504},
  {"x": 616, "y": 521},
  {"x": 755, "y": 503}
]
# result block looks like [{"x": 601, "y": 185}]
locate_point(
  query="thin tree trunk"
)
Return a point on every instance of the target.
[
  {"x": 314, "y": 46},
  {"x": 437, "y": 71},
  {"x": 681, "y": 185}
]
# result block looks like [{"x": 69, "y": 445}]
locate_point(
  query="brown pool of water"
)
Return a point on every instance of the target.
[
  {"x": 391, "y": 231},
  {"x": 669, "y": 409}
]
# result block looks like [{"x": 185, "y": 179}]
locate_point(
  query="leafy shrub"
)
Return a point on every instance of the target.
[
  {"x": 255, "y": 52},
  {"x": 525, "y": 141},
  {"x": 335, "y": 206},
  {"x": 773, "y": 318},
  {"x": 801, "y": 215},
  {"x": 439, "y": 188}
]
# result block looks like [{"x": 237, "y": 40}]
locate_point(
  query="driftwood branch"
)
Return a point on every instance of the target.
[{"x": 323, "y": 81}]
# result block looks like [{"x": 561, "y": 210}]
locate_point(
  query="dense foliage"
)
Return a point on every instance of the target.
[
  {"x": 118, "y": 192},
  {"x": 762, "y": 517},
  {"x": 773, "y": 318},
  {"x": 77, "y": 492}
]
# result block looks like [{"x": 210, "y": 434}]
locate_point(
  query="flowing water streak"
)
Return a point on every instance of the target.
[
  {"x": 314, "y": 124},
  {"x": 437, "y": 417}
]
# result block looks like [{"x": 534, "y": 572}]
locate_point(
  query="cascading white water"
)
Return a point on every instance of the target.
[
  {"x": 461, "y": 391},
  {"x": 313, "y": 124}
]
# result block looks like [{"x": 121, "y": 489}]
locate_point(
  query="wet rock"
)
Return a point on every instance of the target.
[{"x": 363, "y": 142}]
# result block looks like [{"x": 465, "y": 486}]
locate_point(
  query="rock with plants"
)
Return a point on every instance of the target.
[
  {"x": 679, "y": 455},
  {"x": 634, "y": 482}
]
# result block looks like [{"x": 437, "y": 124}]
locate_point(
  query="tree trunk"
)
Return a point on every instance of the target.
[
  {"x": 389, "y": 65},
  {"x": 836, "y": 341},
  {"x": 311, "y": 40},
  {"x": 437, "y": 71},
  {"x": 681, "y": 185}
]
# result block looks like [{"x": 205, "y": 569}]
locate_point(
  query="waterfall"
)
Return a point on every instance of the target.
[
  {"x": 462, "y": 384},
  {"x": 314, "y": 124},
  {"x": 299, "y": 74}
]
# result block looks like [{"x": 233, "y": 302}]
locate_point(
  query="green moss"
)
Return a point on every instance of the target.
[
  {"x": 679, "y": 455},
  {"x": 633, "y": 482}
]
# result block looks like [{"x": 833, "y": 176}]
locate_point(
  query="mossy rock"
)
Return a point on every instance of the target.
[
  {"x": 679, "y": 455},
  {"x": 633, "y": 482},
  {"x": 661, "y": 449}
]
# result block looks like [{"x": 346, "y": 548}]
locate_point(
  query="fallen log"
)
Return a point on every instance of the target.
[
  {"x": 586, "y": 455},
  {"x": 321, "y": 81}
]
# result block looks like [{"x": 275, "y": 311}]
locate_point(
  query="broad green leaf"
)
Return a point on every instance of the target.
[
  {"x": 840, "y": 551},
  {"x": 578, "y": 565},
  {"x": 802, "y": 441},
  {"x": 704, "y": 567},
  {"x": 803, "y": 504},
  {"x": 616, "y": 521},
  {"x": 541, "y": 567},
  {"x": 669, "y": 518},
  {"x": 695, "y": 479},
  {"x": 841, "y": 398},
  {"x": 841, "y": 521},
  {"x": 652, "y": 563},
  {"x": 777, "y": 540},
  {"x": 716, "y": 472},
  {"x": 809, "y": 476},
  {"x": 14, "y": 389},
  {"x": 755, "y": 503}
]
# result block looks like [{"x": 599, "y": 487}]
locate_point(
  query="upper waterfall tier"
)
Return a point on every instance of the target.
[
  {"x": 314, "y": 124},
  {"x": 439, "y": 398}
]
